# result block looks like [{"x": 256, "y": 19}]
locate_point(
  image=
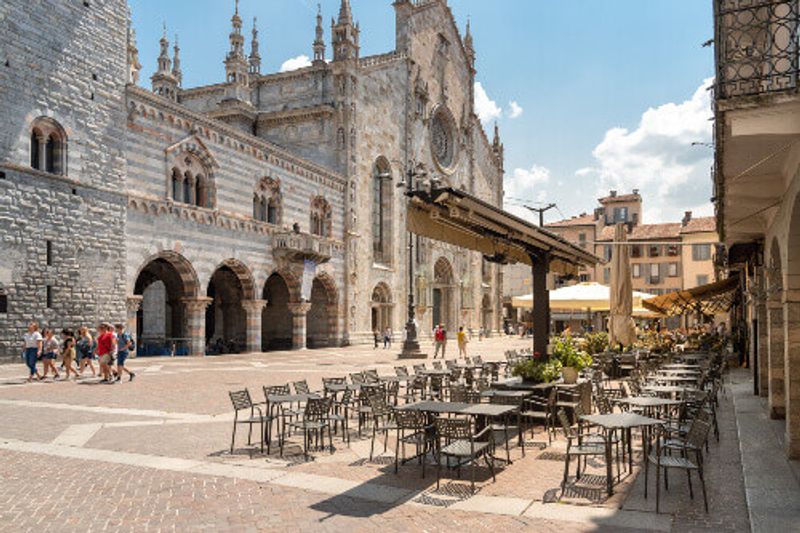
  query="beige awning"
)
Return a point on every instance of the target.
[
  {"x": 586, "y": 296},
  {"x": 458, "y": 218},
  {"x": 708, "y": 299}
]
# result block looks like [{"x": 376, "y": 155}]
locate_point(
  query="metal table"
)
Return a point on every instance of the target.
[
  {"x": 649, "y": 403},
  {"x": 625, "y": 422}
]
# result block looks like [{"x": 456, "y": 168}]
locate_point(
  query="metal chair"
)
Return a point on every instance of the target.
[
  {"x": 382, "y": 420},
  {"x": 416, "y": 387},
  {"x": 357, "y": 378},
  {"x": 314, "y": 422},
  {"x": 541, "y": 410},
  {"x": 455, "y": 438},
  {"x": 661, "y": 456},
  {"x": 340, "y": 413},
  {"x": 507, "y": 430},
  {"x": 577, "y": 447},
  {"x": 301, "y": 387},
  {"x": 371, "y": 376},
  {"x": 242, "y": 401},
  {"x": 412, "y": 428},
  {"x": 437, "y": 365}
]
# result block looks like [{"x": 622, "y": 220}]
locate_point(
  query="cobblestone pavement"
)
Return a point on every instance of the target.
[{"x": 153, "y": 454}]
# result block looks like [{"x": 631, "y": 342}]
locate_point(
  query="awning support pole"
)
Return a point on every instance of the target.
[{"x": 541, "y": 303}]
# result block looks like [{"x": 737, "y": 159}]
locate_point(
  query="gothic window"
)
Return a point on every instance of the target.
[
  {"x": 48, "y": 146},
  {"x": 189, "y": 183},
  {"x": 321, "y": 217},
  {"x": 267, "y": 201},
  {"x": 443, "y": 138},
  {"x": 381, "y": 210}
]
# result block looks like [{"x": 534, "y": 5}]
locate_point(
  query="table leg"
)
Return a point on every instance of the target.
[
  {"x": 609, "y": 474},
  {"x": 629, "y": 438}
]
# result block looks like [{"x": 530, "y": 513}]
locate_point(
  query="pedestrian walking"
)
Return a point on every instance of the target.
[
  {"x": 125, "y": 345},
  {"x": 376, "y": 336},
  {"x": 50, "y": 351},
  {"x": 68, "y": 351},
  {"x": 105, "y": 350},
  {"x": 387, "y": 338},
  {"x": 85, "y": 347},
  {"x": 462, "y": 342},
  {"x": 439, "y": 341},
  {"x": 33, "y": 349}
]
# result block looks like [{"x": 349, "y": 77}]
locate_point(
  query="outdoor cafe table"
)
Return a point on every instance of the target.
[
  {"x": 435, "y": 372},
  {"x": 519, "y": 394},
  {"x": 681, "y": 366},
  {"x": 625, "y": 422},
  {"x": 649, "y": 404},
  {"x": 341, "y": 387},
  {"x": 669, "y": 390},
  {"x": 675, "y": 379},
  {"x": 543, "y": 389}
]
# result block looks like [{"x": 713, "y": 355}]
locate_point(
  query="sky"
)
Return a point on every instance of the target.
[{"x": 589, "y": 95}]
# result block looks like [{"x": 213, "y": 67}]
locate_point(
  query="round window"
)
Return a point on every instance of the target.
[{"x": 443, "y": 139}]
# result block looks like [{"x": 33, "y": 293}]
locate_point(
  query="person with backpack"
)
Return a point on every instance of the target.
[{"x": 125, "y": 345}]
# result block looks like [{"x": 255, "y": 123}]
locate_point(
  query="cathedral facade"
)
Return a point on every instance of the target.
[{"x": 263, "y": 212}]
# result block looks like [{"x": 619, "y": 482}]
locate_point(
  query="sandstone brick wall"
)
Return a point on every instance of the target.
[{"x": 66, "y": 61}]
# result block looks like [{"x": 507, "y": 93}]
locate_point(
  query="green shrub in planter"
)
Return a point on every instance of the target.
[
  {"x": 538, "y": 370},
  {"x": 565, "y": 350}
]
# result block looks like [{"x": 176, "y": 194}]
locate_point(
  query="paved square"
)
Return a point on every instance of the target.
[{"x": 155, "y": 452}]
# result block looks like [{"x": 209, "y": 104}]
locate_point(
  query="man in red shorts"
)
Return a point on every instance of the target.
[{"x": 105, "y": 350}]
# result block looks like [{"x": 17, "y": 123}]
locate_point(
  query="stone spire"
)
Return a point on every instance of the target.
[
  {"x": 255, "y": 57},
  {"x": 469, "y": 45},
  {"x": 176, "y": 62},
  {"x": 164, "y": 82},
  {"x": 235, "y": 62},
  {"x": 133, "y": 58},
  {"x": 319, "y": 41},
  {"x": 497, "y": 147},
  {"x": 345, "y": 34},
  {"x": 345, "y": 13}
]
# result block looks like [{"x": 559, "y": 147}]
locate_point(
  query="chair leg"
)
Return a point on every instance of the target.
[
  {"x": 689, "y": 478},
  {"x": 438, "y": 469},
  {"x": 566, "y": 475},
  {"x": 233, "y": 437},
  {"x": 490, "y": 463},
  {"x": 261, "y": 434},
  {"x": 658, "y": 486},
  {"x": 703, "y": 486},
  {"x": 397, "y": 452},
  {"x": 372, "y": 444}
]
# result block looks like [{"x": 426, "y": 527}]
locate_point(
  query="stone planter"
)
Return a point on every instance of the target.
[{"x": 569, "y": 374}]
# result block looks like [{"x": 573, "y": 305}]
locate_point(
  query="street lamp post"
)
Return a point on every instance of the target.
[{"x": 411, "y": 348}]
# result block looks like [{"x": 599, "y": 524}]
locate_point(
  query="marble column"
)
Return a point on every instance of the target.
[
  {"x": 195, "y": 310},
  {"x": 133, "y": 303},
  {"x": 791, "y": 314},
  {"x": 777, "y": 364},
  {"x": 299, "y": 312},
  {"x": 254, "y": 309}
]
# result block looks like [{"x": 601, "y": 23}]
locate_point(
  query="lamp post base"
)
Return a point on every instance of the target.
[{"x": 411, "y": 348}]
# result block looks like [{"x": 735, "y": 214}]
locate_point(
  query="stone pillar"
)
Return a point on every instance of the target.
[
  {"x": 333, "y": 325},
  {"x": 760, "y": 344},
  {"x": 42, "y": 152},
  {"x": 791, "y": 314},
  {"x": 195, "y": 311},
  {"x": 776, "y": 354},
  {"x": 254, "y": 309},
  {"x": 299, "y": 312},
  {"x": 133, "y": 303}
]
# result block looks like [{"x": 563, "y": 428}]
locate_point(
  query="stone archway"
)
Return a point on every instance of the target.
[
  {"x": 443, "y": 297},
  {"x": 791, "y": 325},
  {"x": 382, "y": 307},
  {"x": 276, "y": 318},
  {"x": 322, "y": 315},
  {"x": 165, "y": 291},
  {"x": 775, "y": 335},
  {"x": 226, "y": 317}
]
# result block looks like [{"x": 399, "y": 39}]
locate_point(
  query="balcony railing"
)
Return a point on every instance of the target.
[
  {"x": 756, "y": 46},
  {"x": 301, "y": 246}
]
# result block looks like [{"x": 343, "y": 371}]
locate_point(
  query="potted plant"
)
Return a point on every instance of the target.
[
  {"x": 572, "y": 359},
  {"x": 537, "y": 370},
  {"x": 596, "y": 342}
]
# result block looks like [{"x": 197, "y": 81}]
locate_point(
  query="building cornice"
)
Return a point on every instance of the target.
[
  {"x": 295, "y": 115},
  {"x": 271, "y": 152}
]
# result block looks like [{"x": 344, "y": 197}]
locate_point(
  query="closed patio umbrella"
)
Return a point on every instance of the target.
[{"x": 621, "y": 326}]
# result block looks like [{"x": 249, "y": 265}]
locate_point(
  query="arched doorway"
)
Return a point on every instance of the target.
[
  {"x": 226, "y": 318},
  {"x": 443, "y": 294},
  {"x": 276, "y": 319},
  {"x": 163, "y": 282},
  {"x": 381, "y": 307},
  {"x": 487, "y": 314},
  {"x": 321, "y": 318}
]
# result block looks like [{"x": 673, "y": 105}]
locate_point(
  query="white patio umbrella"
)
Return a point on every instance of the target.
[
  {"x": 584, "y": 296},
  {"x": 621, "y": 325}
]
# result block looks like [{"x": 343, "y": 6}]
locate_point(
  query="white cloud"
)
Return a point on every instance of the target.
[
  {"x": 516, "y": 109},
  {"x": 658, "y": 158},
  {"x": 296, "y": 63},
  {"x": 486, "y": 108}
]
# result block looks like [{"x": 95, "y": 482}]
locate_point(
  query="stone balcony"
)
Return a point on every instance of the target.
[{"x": 298, "y": 247}]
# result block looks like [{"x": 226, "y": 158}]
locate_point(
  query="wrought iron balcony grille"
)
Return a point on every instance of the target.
[{"x": 756, "y": 46}]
